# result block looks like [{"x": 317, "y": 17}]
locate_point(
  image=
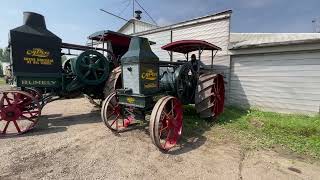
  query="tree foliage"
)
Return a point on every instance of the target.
[
  {"x": 4, "y": 55},
  {"x": 1, "y": 71}
]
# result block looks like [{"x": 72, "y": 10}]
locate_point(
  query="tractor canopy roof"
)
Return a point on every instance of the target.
[
  {"x": 117, "y": 39},
  {"x": 186, "y": 46}
]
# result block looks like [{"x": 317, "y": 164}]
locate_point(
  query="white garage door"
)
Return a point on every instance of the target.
[{"x": 286, "y": 82}]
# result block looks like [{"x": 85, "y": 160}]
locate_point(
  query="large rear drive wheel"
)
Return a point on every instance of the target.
[
  {"x": 114, "y": 82},
  {"x": 166, "y": 123},
  {"x": 210, "y": 95}
]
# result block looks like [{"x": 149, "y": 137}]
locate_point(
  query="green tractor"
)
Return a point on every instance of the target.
[
  {"x": 126, "y": 77},
  {"x": 153, "y": 92}
]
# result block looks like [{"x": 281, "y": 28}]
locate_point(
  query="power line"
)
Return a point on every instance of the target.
[
  {"x": 128, "y": 4},
  {"x": 114, "y": 15},
  {"x": 145, "y": 12}
]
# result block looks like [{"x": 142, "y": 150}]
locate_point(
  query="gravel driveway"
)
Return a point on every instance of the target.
[{"x": 70, "y": 142}]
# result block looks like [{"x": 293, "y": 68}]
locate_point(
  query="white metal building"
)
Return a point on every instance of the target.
[
  {"x": 271, "y": 71},
  {"x": 135, "y": 26},
  {"x": 275, "y": 72},
  {"x": 201, "y": 28}
]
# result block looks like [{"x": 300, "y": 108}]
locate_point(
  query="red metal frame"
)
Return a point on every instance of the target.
[{"x": 80, "y": 47}]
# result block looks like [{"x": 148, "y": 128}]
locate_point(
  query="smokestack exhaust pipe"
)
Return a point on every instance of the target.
[
  {"x": 138, "y": 14},
  {"x": 34, "y": 20}
]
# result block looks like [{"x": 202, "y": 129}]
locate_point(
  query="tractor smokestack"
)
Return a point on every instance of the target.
[
  {"x": 138, "y": 14},
  {"x": 34, "y": 20}
]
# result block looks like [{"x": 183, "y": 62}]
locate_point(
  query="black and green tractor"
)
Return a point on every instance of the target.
[
  {"x": 121, "y": 72},
  {"x": 154, "y": 92},
  {"x": 39, "y": 76}
]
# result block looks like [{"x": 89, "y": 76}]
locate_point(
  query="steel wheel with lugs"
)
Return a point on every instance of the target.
[
  {"x": 166, "y": 123},
  {"x": 114, "y": 82},
  {"x": 210, "y": 95},
  {"x": 20, "y": 112}
]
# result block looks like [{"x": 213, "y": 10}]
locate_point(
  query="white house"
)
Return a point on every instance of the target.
[{"x": 4, "y": 66}]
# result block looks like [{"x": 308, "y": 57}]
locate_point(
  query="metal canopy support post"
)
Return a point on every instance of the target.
[
  {"x": 134, "y": 26},
  {"x": 92, "y": 43},
  {"x": 171, "y": 38},
  {"x": 103, "y": 47},
  {"x": 170, "y": 54},
  {"x": 212, "y": 59}
]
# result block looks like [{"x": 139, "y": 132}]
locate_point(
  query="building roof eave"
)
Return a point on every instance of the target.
[
  {"x": 273, "y": 44},
  {"x": 217, "y": 16},
  {"x": 131, "y": 21}
]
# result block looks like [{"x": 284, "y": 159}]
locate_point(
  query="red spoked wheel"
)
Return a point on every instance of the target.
[
  {"x": 218, "y": 95},
  {"x": 20, "y": 112},
  {"x": 166, "y": 123},
  {"x": 114, "y": 116}
]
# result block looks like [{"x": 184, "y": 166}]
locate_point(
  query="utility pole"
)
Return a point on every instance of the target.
[
  {"x": 134, "y": 23},
  {"x": 132, "y": 8},
  {"x": 316, "y": 25}
]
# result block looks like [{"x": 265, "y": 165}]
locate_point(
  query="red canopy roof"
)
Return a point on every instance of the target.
[
  {"x": 117, "y": 39},
  {"x": 186, "y": 46}
]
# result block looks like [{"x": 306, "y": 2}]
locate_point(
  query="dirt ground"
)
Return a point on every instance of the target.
[{"x": 70, "y": 142}]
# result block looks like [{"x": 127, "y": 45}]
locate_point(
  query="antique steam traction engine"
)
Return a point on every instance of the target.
[
  {"x": 130, "y": 78},
  {"x": 40, "y": 76},
  {"x": 161, "y": 88}
]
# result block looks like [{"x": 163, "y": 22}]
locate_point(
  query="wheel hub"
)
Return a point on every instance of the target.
[
  {"x": 92, "y": 66},
  {"x": 11, "y": 113}
]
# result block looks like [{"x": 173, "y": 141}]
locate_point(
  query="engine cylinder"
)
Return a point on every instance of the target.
[{"x": 180, "y": 82}]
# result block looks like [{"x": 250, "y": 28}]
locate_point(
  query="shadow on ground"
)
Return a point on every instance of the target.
[
  {"x": 195, "y": 127},
  {"x": 54, "y": 123}
]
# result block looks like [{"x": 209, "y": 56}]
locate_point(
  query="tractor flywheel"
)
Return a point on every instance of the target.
[{"x": 91, "y": 67}]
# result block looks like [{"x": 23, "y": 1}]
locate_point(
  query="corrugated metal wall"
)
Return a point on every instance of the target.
[
  {"x": 160, "y": 38},
  {"x": 214, "y": 31},
  {"x": 283, "y": 82}
]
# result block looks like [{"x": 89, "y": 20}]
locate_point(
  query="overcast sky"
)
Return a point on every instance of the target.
[{"x": 74, "y": 20}]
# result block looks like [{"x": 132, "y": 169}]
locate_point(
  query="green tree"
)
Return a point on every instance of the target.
[
  {"x": 1, "y": 71},
  {"x": 4, "y": 55},
  {"x": 1, "y": 54}
]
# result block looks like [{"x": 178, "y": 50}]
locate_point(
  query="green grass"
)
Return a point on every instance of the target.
[
  {"x": 2, "y": 81},
  {"x": 254, "y": 128}
]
